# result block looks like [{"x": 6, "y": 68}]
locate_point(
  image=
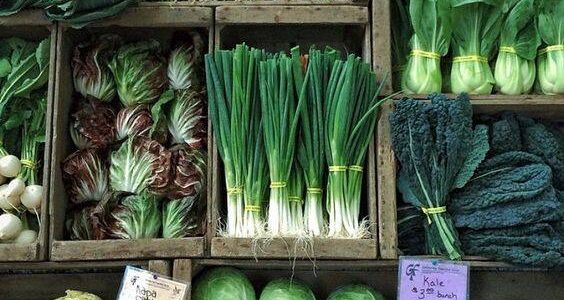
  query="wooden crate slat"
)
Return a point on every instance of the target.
[
  {"x": 291, "y": 15},
  {"x": 255, "y": 2}
]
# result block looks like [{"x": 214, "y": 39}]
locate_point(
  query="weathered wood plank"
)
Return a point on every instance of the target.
[
  {"x": 318, "y": 248},
  {"x": 386, "y": 166},
  {"x": 127, "y": 249},
  {"x": 291, "y": 15},
  {"x": 381, "y": 42},
  {"x": 163, "y": 267},
  {"x": 32, "y": 17},
  {"x": 255, "y": 2}
]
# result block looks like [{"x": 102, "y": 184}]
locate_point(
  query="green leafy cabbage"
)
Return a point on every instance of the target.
[
  {"x": 355, "y": 292},
  {"x": 137, "y": 217},
  {"x": 131, "y": 167},
  {"x": 284, "y": 289},
  {"x": 77, "y": 295},
  {"x": 223, "y": 283},
  {"x": 551, "y": 58}
]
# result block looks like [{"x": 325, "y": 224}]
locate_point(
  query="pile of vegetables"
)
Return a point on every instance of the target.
[
  {"x": 24, "y": 69},
  {"x": 518, "y": 31},
  {"x": 229, "y": 283},
  {"x": 78, "y": 295},
  {"x": 139, "y": 170},
  {"x": 290, "y": 128},
  {"x": 494, "y": 190},
  {"x": 78, "y": 13}
]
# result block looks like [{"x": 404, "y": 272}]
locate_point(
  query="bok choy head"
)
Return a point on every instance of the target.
[{"x": 551, "y": 58}]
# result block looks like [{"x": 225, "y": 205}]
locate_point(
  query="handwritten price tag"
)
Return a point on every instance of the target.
[
  {"x": 138, "y": 284},
  {"x": 432, "y": 279}
]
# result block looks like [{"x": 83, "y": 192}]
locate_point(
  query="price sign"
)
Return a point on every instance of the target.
[
  {"x": 432, "y": 279},
  {"x": 138, "y": 284}
]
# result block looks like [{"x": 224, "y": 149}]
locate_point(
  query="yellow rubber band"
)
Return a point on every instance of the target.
[
  {"x": 295, "y": 199},
  {"x": 314, "y": 191},
  {"x": 29, "y": 164},
  {"x": 277, "y": 184},
  {"x": 356, "y": 168},
  {"x": 470, "y": 58},
  {"x": 421, "y": 53},
  {"x": 235, "y": 190},
  {"x": 551, "y": 49},
  {"x": 253, "y": 208},
  {"x": 433, "y": 211},
  {"x": 337, "y": 168},
  {"x": 507, "y": 49}
]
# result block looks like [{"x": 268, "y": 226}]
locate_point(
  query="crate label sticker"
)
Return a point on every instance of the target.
[
  {"x": 139, "y": 284},
  {"x": 432, "y": 279}
]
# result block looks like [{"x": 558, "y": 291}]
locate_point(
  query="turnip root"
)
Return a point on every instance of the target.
[
  {"x": 26, "y": 237},
  {"x": 8, "y": 202},
  {"x": 32, "y": 196},
  {"x": 16, "y": 187},
  {"x": 10, "y": 166},
  {"x": 10, "y": 226}
]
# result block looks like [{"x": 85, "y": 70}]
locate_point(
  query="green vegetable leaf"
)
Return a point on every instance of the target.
[
  {"x": 80, "y": 13},
  {"x": 480, "y": 147},
  {"x": 157, "y": 113}
]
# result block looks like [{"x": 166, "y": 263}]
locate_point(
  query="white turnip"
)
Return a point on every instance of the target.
[
  {"x": 32, "y": 196},
  {"x": 10, "y": 226},
  {"x": 16, "y": 187},
  {"x": 26, "y": 237},
  {"x": 10, "y": 166},
  {"x": 8, "y": 202}
]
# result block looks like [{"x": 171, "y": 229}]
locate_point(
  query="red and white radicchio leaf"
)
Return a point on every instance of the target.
[
  {"x": 189, "y": 173},
  {"x": 185, "y": 63},
  {"x": 133, "y": 122},
  {"x": 187, "y": 121},
  {"x": 131, "y": 167},
  {"x": 93, "y": 124},
  {"x": 86, "y": 176},
  {"x": 161, "y": 168}
]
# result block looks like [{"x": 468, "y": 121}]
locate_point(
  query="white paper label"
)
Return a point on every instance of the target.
[{"x": 138, "y": 284}]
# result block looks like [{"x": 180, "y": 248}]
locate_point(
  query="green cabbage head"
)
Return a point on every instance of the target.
[
  {"x": 355, "y": 292},
  {"x": 223, "y": 283},
  {"x": 284, "y": 289},
  {"x": 77, "y": 295}
]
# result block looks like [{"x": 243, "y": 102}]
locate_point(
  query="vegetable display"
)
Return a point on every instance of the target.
[
  {"x": 281, "y": 114},
  {"x": 132, "y": 175},
  {"x": 24, "y": 69}
]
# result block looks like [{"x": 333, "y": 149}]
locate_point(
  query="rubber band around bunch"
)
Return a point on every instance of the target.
[
  {"x": 552, "y": 48},
  {"x": 277, "y": 184},
  {"x": 507, "y": 49},
  {"x": 235, "y": 190},
  {"x": 359, "y": 169},
  {"x": 470, "y": 58},
  {"x": 338, "y": 168},
  {"x": 433, "y": 211},
  {"x": 296, "y": 199},
  {"x": 253, "y": 208},
  {"x": 426, "y": 54},
  {"x": 29, "y": 164},
  {"x": 314, "y": 190}
]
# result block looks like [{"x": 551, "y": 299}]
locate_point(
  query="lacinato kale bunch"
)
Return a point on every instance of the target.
[{"x": 438, "y": 151}]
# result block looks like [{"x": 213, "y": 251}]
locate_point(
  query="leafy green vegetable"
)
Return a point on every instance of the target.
[
  {"x": 284, "y": 289},
  {"x": 86, "y": 176},
  {"x": 401, "y": 34},
  {"x": 551, "y": 58},
  {"x": 140, "y": 73},
  {"x": 137, "y": 217},
  {"x": 433, "y": 142},
  {"x": 223, "y": 283},
  {"x": 92, "y": 77},
  {"x": 184, "y": 64},
  {"x": 187, "y": 120},
  {"x": 515, "y": 66},
  {"x": 131, "y": 167},
  {"x": 133, "y": 122},
  {"x": 355, "y": 292},
  {"x": 33, "y": 136},
  {"x": 182, "y": 217},
  {"x": 431, "y": 22},
  {"x": 476, "y": 27},
  {"x": 78, "y": 295},
  {"x": 80, "y": 13}
]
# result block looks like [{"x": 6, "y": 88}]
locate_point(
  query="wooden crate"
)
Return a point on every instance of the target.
[
  {"x": 539, "y": 106},
  {"x": 278, "y": 28},
  {"x": 33, "y": 25},
  {"x": 488, "y": 281},
  {"x": 134, "y": 24},
  {"x": 214, "y": 3},
  {"x": 49, "y": 280}
]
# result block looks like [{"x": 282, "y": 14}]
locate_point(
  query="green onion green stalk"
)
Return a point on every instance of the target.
[
  {"x": 431, "y": 22},
  {"x": 350, "y": 121},
  {"x": 232, "y": 77},
  {"x": 280, "y": 112},
  {"x": 33, "y": 135},
  {"x": 515, "y": 65},
  {"x": 476, "y": 26}
]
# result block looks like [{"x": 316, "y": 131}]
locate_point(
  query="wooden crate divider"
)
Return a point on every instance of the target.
[
  {"x": 291, "y": 17},
  {"x": 214, "y": 3},
  {"x": 33, "y": 25},
  {"x": 140, "y": 23}
]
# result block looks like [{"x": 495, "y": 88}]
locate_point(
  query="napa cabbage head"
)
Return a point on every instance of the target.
[
  {"x": 223, "y": 283},
  {"x": 551, "y": 58},
  {"x": 476, "y": 27},
  {"x": 431, "y": 22},
  {"x": 355, "y": 292},
  {"x": 515, "y": 66},
  {"x": 285, "y": 289}
]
